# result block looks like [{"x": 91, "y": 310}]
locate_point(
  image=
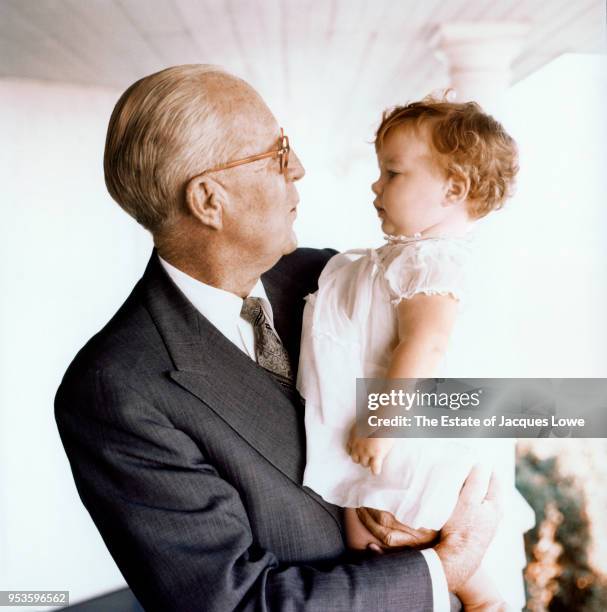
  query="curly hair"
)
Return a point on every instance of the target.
[{"x": 469, "y": 144}]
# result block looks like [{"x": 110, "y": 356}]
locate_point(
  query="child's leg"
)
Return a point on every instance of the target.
[
  {"x": 480, "y": 594},
  {"x": 358, "y": 537}
]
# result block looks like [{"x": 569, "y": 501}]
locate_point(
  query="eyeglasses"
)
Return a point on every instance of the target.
[{"x": 282, "y": 152}]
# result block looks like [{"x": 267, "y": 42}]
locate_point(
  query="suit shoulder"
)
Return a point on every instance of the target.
[
  {"x": 305, "y": 262},
  {"x": 120, "y": 343}
]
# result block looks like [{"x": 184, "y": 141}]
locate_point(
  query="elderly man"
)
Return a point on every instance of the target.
[{"x": 180, "y": 420}]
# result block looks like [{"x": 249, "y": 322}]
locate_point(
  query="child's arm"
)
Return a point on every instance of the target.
[{"x": 424, "y": 326}]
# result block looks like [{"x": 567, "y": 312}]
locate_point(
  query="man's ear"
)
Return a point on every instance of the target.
[
  {"x": 205, "y": 200},
  {"x": 457, "y": 189}
]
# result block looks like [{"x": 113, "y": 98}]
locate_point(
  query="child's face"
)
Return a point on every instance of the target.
[{"x": 411, "y": 189}]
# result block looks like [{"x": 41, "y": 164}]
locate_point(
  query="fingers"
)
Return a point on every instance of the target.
[
  {"x": 367, "y": 518},
  {"x": 368, "y": 461},
  {"x": 376, "y": 548},
  {"x": 475, "y": 488},
  {"x": 360, "y": 458},
  {"x": 380, "y": 525},
  {"x": 359, "y": 455},
  {"x": 495, "y": 493},
  {"x": 368, "y": 453},
  {"x": 384, "y": 518},
  {"x": 376, "y": 465}
]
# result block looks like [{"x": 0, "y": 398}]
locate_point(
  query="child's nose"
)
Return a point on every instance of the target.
[{"x": 375, "y": 187}]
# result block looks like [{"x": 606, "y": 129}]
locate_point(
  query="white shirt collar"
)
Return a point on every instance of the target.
[{"x": 220, "y": 307}]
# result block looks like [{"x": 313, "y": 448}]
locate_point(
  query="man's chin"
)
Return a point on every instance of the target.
[
  {"x": 291, "y": 244},
  {"x": 288, "y": 247}
]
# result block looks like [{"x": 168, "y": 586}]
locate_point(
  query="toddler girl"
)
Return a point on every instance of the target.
[{"x": 388, "y": 313}]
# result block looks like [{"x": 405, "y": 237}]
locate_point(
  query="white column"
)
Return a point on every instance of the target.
[{"x": 479, "y": 56}]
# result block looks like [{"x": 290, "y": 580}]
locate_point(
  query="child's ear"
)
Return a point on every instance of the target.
[
  {"x": 205, "y": 199},
  {"x": 457, "y": 189}
]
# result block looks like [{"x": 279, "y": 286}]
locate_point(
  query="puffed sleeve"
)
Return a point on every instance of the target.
[{"x": 433, "y": 267}]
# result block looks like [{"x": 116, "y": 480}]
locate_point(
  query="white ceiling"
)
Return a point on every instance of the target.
[
  {"x": 346, "y": 59},
  {"x": 345, "y": 42}
]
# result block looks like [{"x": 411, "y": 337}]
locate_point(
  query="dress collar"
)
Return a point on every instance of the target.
[
  {"x": 401, "y": 238},
  {"x": 417, "y": 237}
]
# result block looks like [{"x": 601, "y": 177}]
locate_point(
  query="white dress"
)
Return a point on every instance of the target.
[{"x": 350, "y": 329}]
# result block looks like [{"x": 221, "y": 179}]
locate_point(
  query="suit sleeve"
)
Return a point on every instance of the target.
[{"x": 180, "y": 533}]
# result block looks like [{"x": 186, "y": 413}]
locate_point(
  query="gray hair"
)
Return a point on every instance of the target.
[{"x": 164, "y": 129}]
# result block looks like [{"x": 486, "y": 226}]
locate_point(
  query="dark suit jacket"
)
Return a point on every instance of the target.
[{"x": 189, "y": 459}]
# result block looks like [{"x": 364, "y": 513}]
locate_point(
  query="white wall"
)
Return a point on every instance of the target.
[
  {"x": 541, "y": 290},
  {"x": 69, "y": 256}
]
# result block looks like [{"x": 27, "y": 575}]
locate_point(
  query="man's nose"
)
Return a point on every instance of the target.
[{"x": 295, "y": 169}]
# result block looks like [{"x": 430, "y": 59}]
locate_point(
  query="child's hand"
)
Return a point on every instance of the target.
[{"x": 369, "y": 452}]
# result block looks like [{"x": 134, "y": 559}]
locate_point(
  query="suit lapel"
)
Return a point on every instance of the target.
[
  {"x": 207, "y": 365},
  {"x": 254, "y": 407},
  {"x": 213, "y": 369}
]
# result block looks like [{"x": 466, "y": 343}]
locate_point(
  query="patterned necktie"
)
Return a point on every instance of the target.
[{"x": 269, "y": 351}]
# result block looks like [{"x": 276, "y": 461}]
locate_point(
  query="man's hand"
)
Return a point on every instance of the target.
[
  {"x": 471, "y": 527},
  {"x": 392, "y": 533},
  {"x": 463, "y": 539}
]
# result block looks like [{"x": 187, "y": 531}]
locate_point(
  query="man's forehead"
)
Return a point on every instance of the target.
[
  {"x": 255, "y": 127},
  {"x": 235, "y": 98},
  {"x": 245, "y": 119}
]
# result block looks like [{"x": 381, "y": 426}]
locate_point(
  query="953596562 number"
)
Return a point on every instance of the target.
[{"x": 32, "y": 598}]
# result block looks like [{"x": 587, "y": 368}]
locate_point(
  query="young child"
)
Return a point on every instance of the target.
[{"x": 388, "y": 313}]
